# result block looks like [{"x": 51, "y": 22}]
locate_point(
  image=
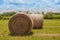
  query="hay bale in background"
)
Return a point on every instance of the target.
[
  {"x": 37, "y": 20},
  {"x": 20, "y": 24}
]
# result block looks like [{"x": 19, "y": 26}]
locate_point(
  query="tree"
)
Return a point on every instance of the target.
[
  {"x": 49, "y": 15},
  {"x": 0, "y": 16},
  {"x": 42, "y": 12}
]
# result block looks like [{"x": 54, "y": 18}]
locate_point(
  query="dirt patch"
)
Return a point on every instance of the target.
[{"x": 46, "y": 34}]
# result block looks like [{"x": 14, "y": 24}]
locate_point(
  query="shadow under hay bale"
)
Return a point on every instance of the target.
[
  {"x": 31, "y": 33},
  {"x": 20, "y": 24}
]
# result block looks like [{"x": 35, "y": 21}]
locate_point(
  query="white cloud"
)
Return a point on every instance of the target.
[
  {"x": 7, "y": 6},
  {"x": 20, "y": 1},
  {"x": 46, "y": 5},
  {"x": 56, "y": 1}
]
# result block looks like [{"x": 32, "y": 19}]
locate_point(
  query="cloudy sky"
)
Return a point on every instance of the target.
[{"x": 41, "y": 5}]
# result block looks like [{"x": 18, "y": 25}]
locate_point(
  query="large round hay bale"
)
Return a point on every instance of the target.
[
  {"x": 37, "y": 20},
  {"x": 20, "y": 24}
]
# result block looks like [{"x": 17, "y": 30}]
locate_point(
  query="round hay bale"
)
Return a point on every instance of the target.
[
  {"x": 37, "y": 20},
  {"x": 20, "y": 24}
]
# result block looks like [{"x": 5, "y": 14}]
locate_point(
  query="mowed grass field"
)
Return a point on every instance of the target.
[{"x": 49, "y": 27}]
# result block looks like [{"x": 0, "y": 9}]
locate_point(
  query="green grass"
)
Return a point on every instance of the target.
[
  {"x": 56, "y": 15},
  {"x": 52, "y": 22},
  {"x": 49, "y": 26}
]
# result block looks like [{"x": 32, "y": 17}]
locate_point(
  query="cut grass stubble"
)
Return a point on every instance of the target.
[{"x": 49, "y": 27}]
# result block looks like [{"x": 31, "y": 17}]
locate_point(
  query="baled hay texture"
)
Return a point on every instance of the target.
[
  {"x": 37, "y": 20},
  {"x": 20, "y": 24}
]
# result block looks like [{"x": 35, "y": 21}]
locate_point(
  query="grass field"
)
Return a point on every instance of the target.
[{"x": 49, "y": 27}]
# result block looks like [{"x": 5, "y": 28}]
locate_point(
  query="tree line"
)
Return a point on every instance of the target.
[{"x": 48, "y": 15}]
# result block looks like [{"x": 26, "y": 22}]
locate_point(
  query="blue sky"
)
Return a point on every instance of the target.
[{"x": 40, "y": 5}]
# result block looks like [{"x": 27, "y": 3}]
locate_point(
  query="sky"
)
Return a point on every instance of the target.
[{"x": 37, "y": 5}]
